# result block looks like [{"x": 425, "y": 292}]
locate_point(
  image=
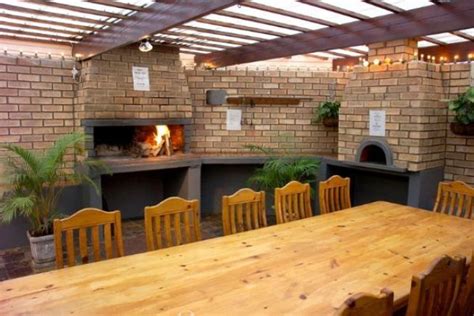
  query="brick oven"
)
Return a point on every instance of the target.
[{"x": 406, "y": 164}]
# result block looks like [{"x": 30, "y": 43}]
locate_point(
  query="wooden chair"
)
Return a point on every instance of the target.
[
  {"x": 292, "y": 202},
  {"x": 242, "y": 211},
  {"x": 81, "y": 221},
  {"x": 455, "y": 198},
  {"x": 465, "y": 305},
  {"x": 174, "y": 221},
  {"x": 334, "y": 194},
  {"x": 368, "y": 305},
  {"x": 435, "y": 292}
]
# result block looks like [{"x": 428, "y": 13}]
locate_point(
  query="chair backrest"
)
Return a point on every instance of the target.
[
  {"x": 435, "y": 292},
  {"x": 363, "y": 304},
  {"x": 98, "y": 221},
  {"x": 465, "y": 305},
  {"x": 334, "y": 194},
  {"x": 292, "y": 202},
  {"x": 172, "y": 222},
  {"x": 455, "y": 198},
  {"x": 242, "y": 211}
]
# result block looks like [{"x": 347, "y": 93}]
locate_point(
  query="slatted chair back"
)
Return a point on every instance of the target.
[
  {"x": 435, "y": 292},
  {"x": 243, "y": 211},
  {"x": 334, "y": 194},
  {"x": 465, "y": 305},
  {"x": 97, "y": 222},
  {"x": 173, "y": 222},
  {"x": 363, "y": 304},
  {"x": 292, "y": 202},
  {"x": 455, "y": 198}
]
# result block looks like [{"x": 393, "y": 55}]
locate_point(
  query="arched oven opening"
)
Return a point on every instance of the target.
[{"x": 375, "y": 151}]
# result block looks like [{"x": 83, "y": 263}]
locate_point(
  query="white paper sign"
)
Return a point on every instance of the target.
[
  {"x": 234, "y": 118},
  {"x": 141, "y": 80},
  {"x": 377, "y": 123}
]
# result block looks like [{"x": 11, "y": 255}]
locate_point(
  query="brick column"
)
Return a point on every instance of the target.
[{"x": 404, "y": 49}]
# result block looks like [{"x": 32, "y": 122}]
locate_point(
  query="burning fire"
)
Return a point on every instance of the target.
[{"x": 161, "y": 130}]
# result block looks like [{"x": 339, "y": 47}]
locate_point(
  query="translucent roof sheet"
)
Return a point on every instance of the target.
[
  {"x": 308, "y": 10},
  {"x": 447, "y": 38},
  {"x": 346, "y": 52},
  {"x": 275, "y": 17},
  {"x": 358, "y": 7},
  {"x": 409, "y": 4},
  {"x": 210, "y": 35},
  {"x": 422, "y": 44}
]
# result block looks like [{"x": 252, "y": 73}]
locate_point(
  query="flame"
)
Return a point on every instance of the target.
[{"x": 161, "y": 130}]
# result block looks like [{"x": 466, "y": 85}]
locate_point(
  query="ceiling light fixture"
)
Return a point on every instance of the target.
[{"x": 145, "y": 46}]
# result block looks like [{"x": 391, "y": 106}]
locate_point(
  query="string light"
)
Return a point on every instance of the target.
[
  {"x": 376, "y": 62},
  {"x": 469, "y": 57},
  {"x": 415, "y": 56},
  {"x": 433, "y": 59},
  {"x": 366, "y": 63},
  {"x": 388, "y": 61},
  {"x": 422, "y": 57},
  {"x": 456, "y": 57}
]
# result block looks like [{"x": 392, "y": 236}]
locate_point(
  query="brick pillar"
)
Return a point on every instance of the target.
[{"x": 394, "y": 50}]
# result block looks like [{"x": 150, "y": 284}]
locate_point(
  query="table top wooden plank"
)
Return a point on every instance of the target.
[{"x": 302, "y": 267}]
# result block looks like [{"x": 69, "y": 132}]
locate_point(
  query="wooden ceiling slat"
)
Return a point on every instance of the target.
[
  {"x": 117, "y": 4},
  {"x": 261, "y": 20},
  {"x": 354, "y": 50},
  {"x": 335, "y": 9},
  {"x": 241, "y": 27},
  {"x": 40, "y": 28},
  {"x": 77, "y": 9},
  {"x": 36, "y": 40},
  {"x": 308, "y": 18},
  {"x": 51, "y": 14},
  {"x": 413, "y": 23},
  {"x": 432, "y": 40},
  {"x": 30, "y": 19},
  {"x": 23, "y": 32},
  {"x": 189, "y": 41},
  {"x": 216, "y": 32},
  {"x": 157, "y": 17},
  {"x": 384, "y": 5},
  {"x": 199, "y": 36}
]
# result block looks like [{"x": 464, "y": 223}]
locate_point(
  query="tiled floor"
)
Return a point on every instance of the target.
[{"x": 16, "y": 262}]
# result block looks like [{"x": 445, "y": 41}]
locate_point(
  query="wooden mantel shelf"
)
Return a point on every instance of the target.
[{"x": 265, "y": 100}]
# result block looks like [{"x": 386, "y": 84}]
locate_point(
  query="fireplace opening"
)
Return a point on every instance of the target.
[
  {"x": 375, "y": 151},
  {"x": 373, "y": 154},
  {"x": 138, "y": 141}
]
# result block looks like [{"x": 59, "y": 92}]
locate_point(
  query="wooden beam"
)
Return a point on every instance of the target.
[
  {"x": 413, "y": 23},
  {"x": 463, "y": 35},
  {"x": 47, "y": 22},
  {"x": 157, "y": 17},
  {"x": 52, "y": 14},
  {"x": 384, "y": 5},
  {"x": 77, "y": 9},
  {"x": 216, "y": 32},
  {"x": 188, "y": 41},
  {"x": 259, "y": 6},
  {"x": 262, "y": 20},
  {"x": 241, "y": 27}
]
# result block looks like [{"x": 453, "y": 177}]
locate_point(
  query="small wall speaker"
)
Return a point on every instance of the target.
[{"x": 216, "y": 97}]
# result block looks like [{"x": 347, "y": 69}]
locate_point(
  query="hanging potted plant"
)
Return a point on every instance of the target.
[
  {"x": 328, "y": 113},
  {"x": 463, "y": 107},
  {"x": 37, "y": 180}
]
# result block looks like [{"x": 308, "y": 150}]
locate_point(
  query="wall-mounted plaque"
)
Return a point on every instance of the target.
[
  {"x": 141, "y": 79},
  {"x": 377, "y": 123}
]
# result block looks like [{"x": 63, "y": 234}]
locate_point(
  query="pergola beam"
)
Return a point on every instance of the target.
[
  {"x": 77, "y": 9},
  {"x": 413, "y": 23},
  {"x": 157, "y": 17}
]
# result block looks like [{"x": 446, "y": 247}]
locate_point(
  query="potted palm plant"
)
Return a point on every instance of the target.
[
  {"x": 463, "y": 107},
  {"x": 328, "y": 113},
  {"x": 37, "y": 180},
  {"x": 278, "y": 170}
]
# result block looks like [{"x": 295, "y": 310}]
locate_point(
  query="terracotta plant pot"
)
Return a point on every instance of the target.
[
  {"x": 461, "y": 129},
  {"x": 330, "y": 121},
  {"x": 42, "y": 252}
]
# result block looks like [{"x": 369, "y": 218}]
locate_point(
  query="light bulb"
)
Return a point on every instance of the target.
[
  {"x": 376, "y": 62},
  {"x": 366, "y": 63},
  {"x": 145, "y": 46}
]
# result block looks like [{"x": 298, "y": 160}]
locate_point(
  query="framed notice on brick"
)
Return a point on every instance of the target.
[
  {"x": 377, "y": 123},
  {"x": 141, "y": 79}
]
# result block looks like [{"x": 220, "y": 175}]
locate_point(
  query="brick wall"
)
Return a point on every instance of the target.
[
  {"x": 282, "y": 127},
  {"x": 36, "y": 101},
  {"x": 106, "y": 90},
  {"x": 394, "y": 50},
  {"x": 415, "y": 118},
  {"x": 459, "y": 149}
]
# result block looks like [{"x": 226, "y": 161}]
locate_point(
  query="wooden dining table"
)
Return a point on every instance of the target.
[{"x": 308, "y": 266}]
